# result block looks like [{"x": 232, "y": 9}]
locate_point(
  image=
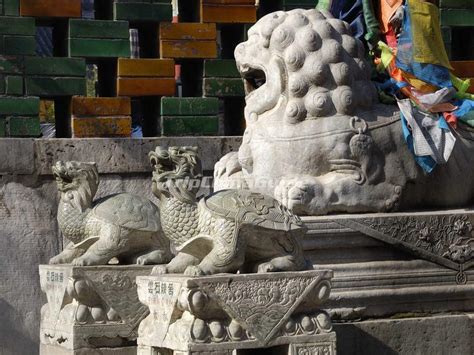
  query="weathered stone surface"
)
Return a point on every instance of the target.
[
  {"x": 89, "y": 307},
  {"x": 55, "y": 350},
  {"x": 123, "y": 226},
  {"x": 385, "y": 274},
  {"x": 125, "y": 155},
  {"x": 226, "y": 232},
  {"x": 18, "y": 156},
  {"x": 28, "y": 237},
  {"x": 316, "y": 137},
  {"x": 29, "y": 231},
  {"x": 271, "y": 309},
  {"x": 445, "y": 334}
]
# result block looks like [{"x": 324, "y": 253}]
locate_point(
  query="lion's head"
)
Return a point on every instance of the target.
[
  {"x": 77, "y": 182},
  {"x": 176, "y": 172},
  {"x": 305, "y": 62}
]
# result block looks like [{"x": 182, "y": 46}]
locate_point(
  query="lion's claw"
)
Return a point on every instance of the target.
[{"x": 193, "y": 271}]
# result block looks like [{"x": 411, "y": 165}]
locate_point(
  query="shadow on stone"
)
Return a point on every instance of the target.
[
  {"x": 351, "y": 340},
  {"x": 12, "y": 335}
]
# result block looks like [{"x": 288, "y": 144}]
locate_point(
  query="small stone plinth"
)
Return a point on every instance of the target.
[
  {"x": 227, "y": 313},
  {"x": 90, "y": 308}
]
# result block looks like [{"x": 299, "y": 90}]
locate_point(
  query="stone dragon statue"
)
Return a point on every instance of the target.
[
  {"x": 227, "y": 231},
  {"x": 123, "y": 225},
  {"x": 316, "y": 137}
]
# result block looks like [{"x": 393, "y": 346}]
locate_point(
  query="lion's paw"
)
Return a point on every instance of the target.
[
  {"x": 296, "y": 193},
  {"x": 227, "y": 165},
  {"x": 193, "y": 270}
]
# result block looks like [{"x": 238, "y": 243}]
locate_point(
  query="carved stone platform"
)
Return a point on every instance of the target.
[
  {"x": 382, "y": 262},
  {"x": 93, "y": 308},
  {"x": 232, "y": 314},
  {"x": 397, "y": 271}
]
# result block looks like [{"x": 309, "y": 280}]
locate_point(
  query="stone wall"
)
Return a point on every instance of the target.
[{"x": 29, "y": 233}]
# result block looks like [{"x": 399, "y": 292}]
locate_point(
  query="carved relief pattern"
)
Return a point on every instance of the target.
[
  {"x": 258, "y": 305},
  {"x": 221, "y": 331},
  {"x": 316, "y": 349},
  {"x": 120, "y": 293},
  {"x": 450, "y": 237}
]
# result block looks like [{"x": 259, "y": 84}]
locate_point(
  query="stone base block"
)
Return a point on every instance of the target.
[
  {"x": 58, "y": 350},
  {"x": 276, "y": 313},
  {"x": 436, "y": 335},
  {"x": 395, "y": 263},
  {"x": 90, "y": 309}
]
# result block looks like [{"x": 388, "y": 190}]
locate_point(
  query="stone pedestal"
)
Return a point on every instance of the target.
[
  {"x": 91, "y": 309},
  {"x": 278, "y": 313},
  {"x": 399, "y": 279}
]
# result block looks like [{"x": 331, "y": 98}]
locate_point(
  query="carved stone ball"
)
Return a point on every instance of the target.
[
  {"x": 323, "y": 292},
  {"x": 325, "y": 67},
  {"x": 324, "y": 321},
  {"x": 199, "y": 329},
  {"x": 235, "y": 330}
]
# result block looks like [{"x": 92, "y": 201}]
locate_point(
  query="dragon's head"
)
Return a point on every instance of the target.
[
  {"x": 77, "y": 182},
  {"x": 303, "y": 64},
  {"x": 177, "y": 172}
]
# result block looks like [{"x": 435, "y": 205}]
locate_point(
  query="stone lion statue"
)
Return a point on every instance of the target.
[
  {"x": 317, "y": 138},
  {"x": 228, "y": 231},
  {"x": 123, "y": 225}
]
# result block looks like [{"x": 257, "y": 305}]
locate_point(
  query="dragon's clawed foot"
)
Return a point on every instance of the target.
[
  {"x": 159, "y": 270},
  {"x": 154, "y": 257},
  {"x": 58, "y": 259},
  {"x": 83, "y": 261},
  {"x": 266, "y": 267}
]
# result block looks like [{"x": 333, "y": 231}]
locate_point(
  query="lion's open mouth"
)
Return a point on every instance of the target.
[{"x": 254, "y": 79}]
